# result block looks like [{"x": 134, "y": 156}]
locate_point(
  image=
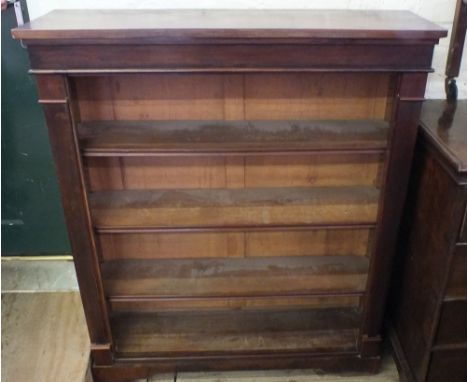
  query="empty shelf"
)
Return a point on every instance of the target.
[
  {"x": 234, "y": 207},
  {"x": 146, "y": 137},
  {"x": 235, "y": 277},
  {"x": 230, "y": 332}
]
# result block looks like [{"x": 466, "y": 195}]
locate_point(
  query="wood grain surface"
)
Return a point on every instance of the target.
[
  {"x": 155, "y": 305},
  {"x": 125, "y": 70},
  {"x": 272, "y": 170},
  {"x": 44, "y": 337},
  {"x": 235, "y": 277},
  {"x": 236, "y": 331},
  {"x": 234, "y": 207},
  {"x": 444, "y": 124},
  {"x": 165, "y": 137},
  {"x": 114, "y": 24},
  {"x": 238, "y": 243},
  {"x": 232, "y": 97}
]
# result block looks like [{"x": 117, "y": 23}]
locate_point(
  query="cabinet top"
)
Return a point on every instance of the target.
[
  {"x": 177, "y": 25},
  {"x": 444, "y": 124}
]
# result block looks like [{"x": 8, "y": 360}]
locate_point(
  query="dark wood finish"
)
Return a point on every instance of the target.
[
  {"x": 75, "y": 202},
  {"x": 245, "y": 173},
  {"x": 452, "y": 324},
  {"x": 448, "y": 365},
  {"x": 462, "y": 237},
  {"x": 429, "y": 306},
  {"x": 371, "y": 346},
  {"x": 102, "y": 354},
  {"x": 51, "y": 89},
  {"x": 220, "y": 24},
  {"x": 231, "y": 58},
  {"x": 456, "y": 283},
  {"x": 405, "y": 119},
  {"x": 444, "y": 125},
  {"x": 152, "y": 304}
]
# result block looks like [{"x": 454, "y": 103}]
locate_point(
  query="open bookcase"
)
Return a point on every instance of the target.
[{"x": 232, "y": 213}]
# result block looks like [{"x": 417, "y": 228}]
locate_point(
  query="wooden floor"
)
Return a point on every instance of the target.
[{"x": 44, "y": 339}]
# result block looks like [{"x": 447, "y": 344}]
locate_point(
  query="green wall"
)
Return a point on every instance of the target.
[{"x": 32, "y": 216}]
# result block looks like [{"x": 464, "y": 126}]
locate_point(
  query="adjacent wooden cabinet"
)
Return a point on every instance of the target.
[
  {"x": 232, "y": 180},
  {"x": 429, "y": 308}
]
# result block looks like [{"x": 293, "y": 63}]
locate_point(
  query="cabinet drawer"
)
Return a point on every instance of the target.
[
  {"x": 452, "y": 323},
  {"x": 448, "y": 366},
  {"x": 456, "y": 286}
]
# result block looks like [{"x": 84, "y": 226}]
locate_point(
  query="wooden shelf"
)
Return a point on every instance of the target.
[
  {"x": 195, "y": 137},
  {"x": 273, "y": 276},
  {"x": 230, "y": 332},
  {"x": 140, "y": 209}
]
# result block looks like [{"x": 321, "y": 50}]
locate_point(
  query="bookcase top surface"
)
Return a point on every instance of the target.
[{"x": 105, "y": 25}]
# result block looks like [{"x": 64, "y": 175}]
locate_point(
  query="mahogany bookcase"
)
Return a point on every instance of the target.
[{"x": 232, "y": 180}]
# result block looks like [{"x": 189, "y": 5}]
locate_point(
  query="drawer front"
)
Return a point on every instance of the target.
[
  {"x": 448, "y": 366},
  {"x": 452, "y": 324},
  {"x": 456, "y": 286}
]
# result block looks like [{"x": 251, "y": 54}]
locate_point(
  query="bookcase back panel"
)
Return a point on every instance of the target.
[
  {"x": 116, "y": 173},
  {"x": 230, "y": 277},
  {"x": 217, "y": 208},
  {"x": 233, "y": 96},
  {"x": 208, "y": 169},
  {"x": 267, "y": 303},
  {"x": 167, "y": 245}
]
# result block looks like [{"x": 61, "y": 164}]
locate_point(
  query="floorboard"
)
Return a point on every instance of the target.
[
  {"x": 388, "y": 373},
  {"x": 44, "y": 337}
]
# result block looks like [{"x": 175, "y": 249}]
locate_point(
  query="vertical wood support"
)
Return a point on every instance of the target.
[
  {"x": 405, "y": 121},
  {"x": 55, "y": 99}
]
